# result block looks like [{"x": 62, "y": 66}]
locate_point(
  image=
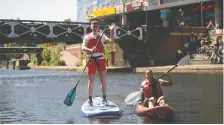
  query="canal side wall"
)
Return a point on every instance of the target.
[{"x": 160, "y": 69}]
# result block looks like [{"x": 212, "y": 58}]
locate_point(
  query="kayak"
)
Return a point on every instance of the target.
[
  {"x": 161, "y": 112},
  {"x": 100, "y": 109}
]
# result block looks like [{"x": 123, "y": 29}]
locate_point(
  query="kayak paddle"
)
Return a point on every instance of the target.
[{"x": 131, "y": 98}]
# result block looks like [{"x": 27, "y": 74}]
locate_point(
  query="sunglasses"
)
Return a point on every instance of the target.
[{"x": 95, "y": 25}]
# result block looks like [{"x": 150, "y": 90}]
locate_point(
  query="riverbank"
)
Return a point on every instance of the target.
[{"x": 179, "y": 69}]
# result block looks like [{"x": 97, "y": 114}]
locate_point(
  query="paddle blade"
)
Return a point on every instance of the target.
[
  {"x": 131, "y": 98},
  {"x": 70, "y": 97},
  {"x": 184, "y": 61}
]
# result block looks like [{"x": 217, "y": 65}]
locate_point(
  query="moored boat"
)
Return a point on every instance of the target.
[{"x": 161, "y": 112}]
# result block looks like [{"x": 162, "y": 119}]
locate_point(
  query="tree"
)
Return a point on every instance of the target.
[
  {"x": 51, "y": 55},
  {"x": 46, "y": 55},
  {"x": 33, "y": 60},
  {"x": 107, "y": 51},
  {"x": 68, "y": 20},
  {"x": 55, "y": 55}
]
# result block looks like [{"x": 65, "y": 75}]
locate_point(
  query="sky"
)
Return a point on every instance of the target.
[{"x": 43, "y": 10}]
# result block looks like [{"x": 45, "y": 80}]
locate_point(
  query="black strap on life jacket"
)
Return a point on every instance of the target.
[
  {"x": 154, "y": 89},
  {"x": 95, "y": 59}
]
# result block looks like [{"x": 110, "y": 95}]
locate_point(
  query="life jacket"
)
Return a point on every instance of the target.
[
  {"x": 92, "y": 42},
  {"x": 154, "y": 90}
]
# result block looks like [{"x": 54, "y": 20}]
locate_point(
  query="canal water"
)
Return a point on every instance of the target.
[{"x": 37, "y": 97}]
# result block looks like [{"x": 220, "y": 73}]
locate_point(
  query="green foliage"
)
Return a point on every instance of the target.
[
  {"x": 45, "y": 63},
  {"x": 67, "y": 20},
  {"x": 15, "y": 44},
  {"x": 33, "y": 60},
  {"x": 50, "y": 55},
  {"x": 11, "y": 44},
  {"x": 55, "y": 55},
  {"x": 46, "y": 54},
  {"x": 107, "y": 50},
  {"x": 13, "y": 56},
  {"x": 42, "y": 45},
  {"x": 84, "y": 56},
  {"x": 79, "y": 63}
]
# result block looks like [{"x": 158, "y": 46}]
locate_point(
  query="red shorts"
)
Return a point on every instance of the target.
[{"x": 92, "y": 67}]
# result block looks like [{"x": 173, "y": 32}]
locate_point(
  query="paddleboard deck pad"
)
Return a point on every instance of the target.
[{"x": 100, "y": 109}]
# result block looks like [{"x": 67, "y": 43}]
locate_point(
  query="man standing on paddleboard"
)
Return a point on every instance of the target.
[{"x": 97, "y": 62}]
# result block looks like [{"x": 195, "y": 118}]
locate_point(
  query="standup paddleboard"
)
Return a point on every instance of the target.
[{"x": 100, "y": 109}]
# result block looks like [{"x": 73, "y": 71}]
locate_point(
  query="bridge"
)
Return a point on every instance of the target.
[
  {"x": 139, "y": 45},
  {"x": 68, "y": 32},
  {"x": 20, "y": 50},
  {"x": 37, "y": 32}
]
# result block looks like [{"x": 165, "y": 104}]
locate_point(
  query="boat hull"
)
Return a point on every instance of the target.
[{"x": 161, "y": 112}]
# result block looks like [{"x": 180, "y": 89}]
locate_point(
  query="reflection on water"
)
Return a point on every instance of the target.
[
  {"x": 146, "y": 120},
  {"x": 37, "y": 97},
  {"x": 70, "y": 121},
  {"x": 102, "y": 121}
]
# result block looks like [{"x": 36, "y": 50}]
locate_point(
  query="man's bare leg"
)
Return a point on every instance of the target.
[
  {"x": 146, "y": 102},
  {"x": 151, "y": 102},
  {"x": 102, "y": 75},
  {"x": 161, "y": 101},
  {"x": 90, "y": 88}
]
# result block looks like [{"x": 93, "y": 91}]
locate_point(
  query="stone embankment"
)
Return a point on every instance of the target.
[{"x": 179, "y": 69}]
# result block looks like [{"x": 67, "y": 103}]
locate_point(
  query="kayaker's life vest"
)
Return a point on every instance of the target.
[
  {"x": 154, "y": 90},
  {"x": 92, "y": 42}
]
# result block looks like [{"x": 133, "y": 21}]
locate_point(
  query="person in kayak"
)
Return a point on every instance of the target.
[
  {"x": 152, "y": 94},
  {"x": 97, "y": 62}
]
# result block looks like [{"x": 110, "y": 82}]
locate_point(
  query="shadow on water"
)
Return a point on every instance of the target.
[
  {"x": 147, "y": 120},
  {"x": 70, "y": 121},
  {"x": 105, "y": 120},
  {"x": 102, "y": 120}
]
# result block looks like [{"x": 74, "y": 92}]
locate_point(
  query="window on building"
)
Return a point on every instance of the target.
[{"x": 193, "y": 16}]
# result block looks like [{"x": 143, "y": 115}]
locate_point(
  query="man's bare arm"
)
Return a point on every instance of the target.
[
  {"x": 169, "y": 82},
  {"x": 111, "y": 39}
]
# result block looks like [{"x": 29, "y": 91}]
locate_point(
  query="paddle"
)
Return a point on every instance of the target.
[
  {"x": 131, "y": 98},
  {"x": 69, "y": 99}
]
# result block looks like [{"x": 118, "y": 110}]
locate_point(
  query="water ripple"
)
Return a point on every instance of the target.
[{"x": 30, "y": 97}]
